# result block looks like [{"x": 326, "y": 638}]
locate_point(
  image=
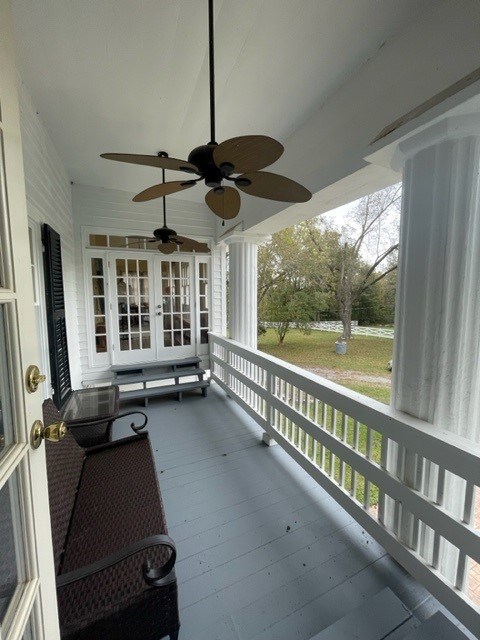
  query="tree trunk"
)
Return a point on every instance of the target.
[
  {"x": 281, "y": 331},
  {"x": 346, "y": 318}
]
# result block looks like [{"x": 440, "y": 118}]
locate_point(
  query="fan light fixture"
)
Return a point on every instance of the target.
[{"x": 237, "y": 160}]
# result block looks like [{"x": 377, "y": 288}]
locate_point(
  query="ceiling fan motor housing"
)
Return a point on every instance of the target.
[
  {"x": 202, "y": 157},
  {"x": 164, "y": 234}
]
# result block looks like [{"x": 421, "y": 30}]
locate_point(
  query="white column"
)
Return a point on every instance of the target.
[
  {"x": 436, "y": 363},
  {"x": 243, "y": 251}
]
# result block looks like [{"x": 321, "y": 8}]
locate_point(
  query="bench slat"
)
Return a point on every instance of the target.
[
  {"x": 159, "y": 375},
  {"x": 160, "y": 391},
  {"x": 119, "y": 368}
]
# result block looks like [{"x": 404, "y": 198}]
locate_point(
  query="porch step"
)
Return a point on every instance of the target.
[
  {"x": 159, "y": 375},
  {"x": 374, "y": 620},
  {"x": 438, "y": 627},
  {"x": 161, "y": 370},
  {"x": 152, "y": 392},
  {"x": 122, "y": 369}
]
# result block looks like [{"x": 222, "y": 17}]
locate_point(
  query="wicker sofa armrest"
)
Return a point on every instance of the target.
[
  {"x": 133, "y": 426},
  {"x": 156, "y": 577}
]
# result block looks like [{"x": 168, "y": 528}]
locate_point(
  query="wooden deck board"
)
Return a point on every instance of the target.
[{"x": 264, "y": 553}]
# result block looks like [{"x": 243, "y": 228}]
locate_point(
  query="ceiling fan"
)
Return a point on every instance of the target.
[
  {"x": 237, "y": 160},
  {"x": 167, "y": 239}
]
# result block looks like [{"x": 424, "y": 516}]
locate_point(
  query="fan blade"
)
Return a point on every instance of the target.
[
  {"x": 248, "y": 153},
  {"x": 167, "y": 247},
  {"x": 163, "y": 189},
  {"x": 273, "y": 187},
  {"x": 172, "y": 164},
  {"x": 226, "y": 204},
  {"x": 188, "y": 244}
]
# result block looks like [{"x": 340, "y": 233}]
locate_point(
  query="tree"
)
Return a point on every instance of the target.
[
  {"x": 286, "y": 304},
  {"x": 279, "y": 260},
  {"x": 363, "y": 253},
  {"x": 285, "y": 294}
]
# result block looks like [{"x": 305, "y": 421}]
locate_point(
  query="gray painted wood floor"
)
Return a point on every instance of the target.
[{"x": 264, "y": 553}]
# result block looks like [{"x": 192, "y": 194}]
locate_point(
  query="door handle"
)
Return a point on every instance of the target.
[{"x": 54, "y": 433}]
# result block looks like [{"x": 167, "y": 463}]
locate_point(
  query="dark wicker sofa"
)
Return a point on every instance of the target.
[{"x": 113, "y": 558}]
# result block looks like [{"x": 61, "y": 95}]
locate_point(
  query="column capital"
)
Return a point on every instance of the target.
[
  {"x": 449, "y": 128},
  {"x": 245, "y": 238}
]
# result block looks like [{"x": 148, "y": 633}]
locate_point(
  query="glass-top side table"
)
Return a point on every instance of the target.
[{"x": 90, "y": 412}]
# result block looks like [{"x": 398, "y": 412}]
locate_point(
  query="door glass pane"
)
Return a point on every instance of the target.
[
  {"x": 133, "y": 304},
  {"x": 12, "y": 558},
  {"x": 6, "y": 421},
  {"x": 176, "y": 302}
]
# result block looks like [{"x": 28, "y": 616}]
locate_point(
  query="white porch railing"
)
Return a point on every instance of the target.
[{"x": 340, "y": 438}]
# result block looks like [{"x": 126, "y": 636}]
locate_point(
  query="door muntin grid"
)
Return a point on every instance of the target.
[
  {"x": 176, "y": 303},
  {"x": 133, "y": 304}
]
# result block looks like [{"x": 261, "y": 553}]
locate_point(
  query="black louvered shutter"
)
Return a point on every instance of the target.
[{"x": 55, "y": 305}]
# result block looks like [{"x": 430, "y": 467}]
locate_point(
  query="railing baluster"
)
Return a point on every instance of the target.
[
  {"x": 356, "y": 443},
  {"x": 308, "y": 437},
  {"x": 368, "y": 455},
  {"x": 334, "y": 432},
  {"x": 461, "y": 576},
  {"x": 439, "y": 500},
  {"x": 344, "y": 439},
  {"x": 468, "y": 503}
]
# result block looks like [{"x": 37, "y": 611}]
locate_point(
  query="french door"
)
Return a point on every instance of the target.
[
  {"x": 134, "y": 320},
  {"x": 27, "y": 582},
  {"x": 160, "y": 306},
  {"x": 175, "y": 307}
]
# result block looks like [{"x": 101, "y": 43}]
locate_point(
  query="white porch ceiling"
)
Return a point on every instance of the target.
[{"x": 119, "y": 75}]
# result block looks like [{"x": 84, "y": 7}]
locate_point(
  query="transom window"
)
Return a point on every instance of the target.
[{"x": 96, "y": 240}]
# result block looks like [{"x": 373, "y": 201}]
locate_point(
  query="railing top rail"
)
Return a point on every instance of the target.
[{"x": 449, "y": 450}]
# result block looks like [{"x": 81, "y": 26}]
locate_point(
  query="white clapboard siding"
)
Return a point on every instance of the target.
[{"x": 49, "y": 200}]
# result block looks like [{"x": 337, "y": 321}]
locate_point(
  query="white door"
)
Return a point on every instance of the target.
[
  {"x": 133, "y": 315},
  {"x": 175, "y": 307},
  {"x": 27, "y": 582}
]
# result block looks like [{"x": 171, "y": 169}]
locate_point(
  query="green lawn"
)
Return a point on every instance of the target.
[
  {"x": 365, "y": 355},
  {"x": 316, "y": 349}
]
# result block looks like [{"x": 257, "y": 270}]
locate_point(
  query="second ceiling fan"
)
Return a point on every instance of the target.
[{"x": 237, "y": 160}]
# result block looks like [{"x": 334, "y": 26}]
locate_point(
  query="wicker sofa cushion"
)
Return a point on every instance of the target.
[
  {"x": 119, "y": 483},
  {"x": 122, "y": 483}
]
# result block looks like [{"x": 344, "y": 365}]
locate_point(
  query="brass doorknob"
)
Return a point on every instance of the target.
[
  {"x": 54, "y": 432},
  {"x": 33, "y": 378}
]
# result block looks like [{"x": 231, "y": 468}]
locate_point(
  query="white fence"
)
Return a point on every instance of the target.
[
  {"x": 340, "y": 438},
  {"x": 378, "y": 332},
  {"x": 336, "y": 327}
]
